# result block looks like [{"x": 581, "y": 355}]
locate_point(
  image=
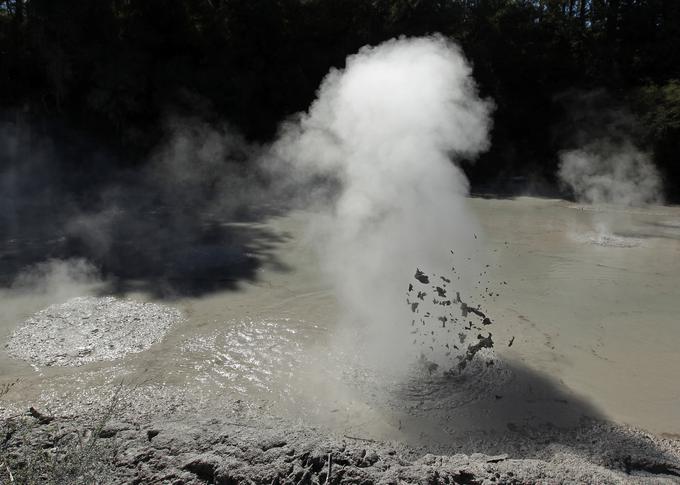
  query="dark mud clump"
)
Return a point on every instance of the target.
[{"x": 459, "y": 321}]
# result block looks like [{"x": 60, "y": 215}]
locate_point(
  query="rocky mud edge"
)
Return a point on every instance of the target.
[{"x": 272, "y": 451}]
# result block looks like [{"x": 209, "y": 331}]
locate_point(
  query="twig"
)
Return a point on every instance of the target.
[
  {"x": 15, "y": 416},
  {"x": 368, "y": 440},
  {"x": 330, "y": 464},
  {"x": 42, "y": 418},
  {"x": 244, "y": 425},
  {"x": 9, "y": 472},
  {"x": 109, "y": 412},
  {"x": 5, "y": 388}
]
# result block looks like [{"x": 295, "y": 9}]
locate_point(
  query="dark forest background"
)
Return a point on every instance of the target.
[{"x": 110, "y": 71}]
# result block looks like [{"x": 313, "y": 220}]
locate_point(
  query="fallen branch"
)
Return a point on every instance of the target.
[
  {"x": 368, "y": 440},
  {"x": 330, "y": 464},
  {"x": 42, "y": 418},
  {"x": 9, "y": 472}
]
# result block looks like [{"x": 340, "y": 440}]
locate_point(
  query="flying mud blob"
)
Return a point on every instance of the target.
[
  {"x": 422, "y": 277},
  {"x": 429, "y": 338}
]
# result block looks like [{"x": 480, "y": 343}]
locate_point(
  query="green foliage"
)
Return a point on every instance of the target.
[
  {"x": 117, "y": 67},
  {"x": 659, "y": 107}
]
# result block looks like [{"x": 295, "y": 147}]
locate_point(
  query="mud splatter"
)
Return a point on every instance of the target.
[{"x": 440, "y": 320}]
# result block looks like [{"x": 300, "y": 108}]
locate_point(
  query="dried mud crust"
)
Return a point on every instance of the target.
[
  {"x": 90, "y": 329},
  {"x": 271, "y": 451}
]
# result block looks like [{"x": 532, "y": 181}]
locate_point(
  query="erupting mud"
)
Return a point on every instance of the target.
[{"x": 442, "y": 310}]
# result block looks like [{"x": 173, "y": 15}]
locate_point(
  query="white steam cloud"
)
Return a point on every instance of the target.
[
  {"x": 608, "y": 173},
  {"x": 385, "y": 130}
]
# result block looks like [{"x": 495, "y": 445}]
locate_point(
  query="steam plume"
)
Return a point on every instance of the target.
[
  {"x": 605, "y": 172},
  {"x": 384, "y": 130}
]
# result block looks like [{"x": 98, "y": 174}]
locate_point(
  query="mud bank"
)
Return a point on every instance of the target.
[{"x": 268, "y": 450}]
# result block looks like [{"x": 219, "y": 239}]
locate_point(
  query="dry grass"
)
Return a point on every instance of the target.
[{"x": 38, "y": 449}]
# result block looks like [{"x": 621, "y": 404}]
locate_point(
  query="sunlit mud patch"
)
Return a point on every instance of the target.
[
  {"x": 90, "y": 329},
  {"x": 481, "y": 379},
  {"x": 250, "y": 355}
]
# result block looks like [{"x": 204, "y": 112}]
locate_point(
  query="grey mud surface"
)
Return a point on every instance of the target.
[{"x": 246, "y": 386}]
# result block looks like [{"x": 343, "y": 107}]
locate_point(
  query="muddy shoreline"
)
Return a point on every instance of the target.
[
  {"x": 264, "y": 360},
  {"x": 243, "y": 447}
]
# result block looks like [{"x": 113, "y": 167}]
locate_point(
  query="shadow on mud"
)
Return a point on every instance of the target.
[
  {"x": 654, "y": 230},
  {"x": 163, "y": 222},
  {"x": 525, "y": 413},
  {"x": 153, "y": 251}
]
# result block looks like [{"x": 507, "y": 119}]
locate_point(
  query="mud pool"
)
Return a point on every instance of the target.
[{"x": 587, "y": 296}]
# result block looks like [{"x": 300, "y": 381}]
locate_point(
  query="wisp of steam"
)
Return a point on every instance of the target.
[
  {"x": 609, "y": 173},
  {"x": 386, "y": 131}
]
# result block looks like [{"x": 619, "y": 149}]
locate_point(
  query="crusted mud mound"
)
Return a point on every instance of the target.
[
  {"x": 269, "y": 452},
  {"x": 90, "y": 329}
]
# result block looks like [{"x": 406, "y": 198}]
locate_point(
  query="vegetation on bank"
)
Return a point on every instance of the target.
[
  {"x": 115, "y": 68},
  {"x": 37, "y": 449}
]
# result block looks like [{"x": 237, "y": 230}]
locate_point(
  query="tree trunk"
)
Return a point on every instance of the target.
[
  {"x": 583, "y": 11},
  {"x": 19, "y": 12}
]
